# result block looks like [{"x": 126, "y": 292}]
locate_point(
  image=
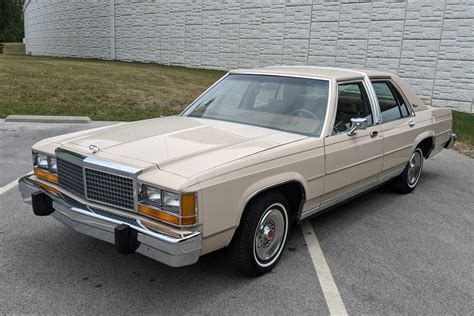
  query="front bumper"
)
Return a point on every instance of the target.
[
  {"x": 171, "y": 247},
  {"x": 451, "y": 141}
]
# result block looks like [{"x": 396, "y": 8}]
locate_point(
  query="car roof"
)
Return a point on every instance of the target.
[
  {"x": 337, "y": 74},
  {"x": 313, "y": 71}
]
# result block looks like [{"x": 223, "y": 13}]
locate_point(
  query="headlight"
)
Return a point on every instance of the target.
[
  {"x": 151, "y": 194},
  {"x": 174, "y": 208},
  {"x": 171, "y": 201},
  {"x": 53, "y": 165},
  {"x": 42, "y": 161},
  {"x": 45, "y": 166}
]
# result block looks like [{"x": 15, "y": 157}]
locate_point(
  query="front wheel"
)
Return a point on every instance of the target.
[
  {"x": 406, "y": 182},
  {"x": 260, "y": 239}
]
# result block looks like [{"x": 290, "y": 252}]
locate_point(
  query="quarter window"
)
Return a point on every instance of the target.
[
  {"x": 392, "y": 105},
  {"x": 352, "y": 102}
]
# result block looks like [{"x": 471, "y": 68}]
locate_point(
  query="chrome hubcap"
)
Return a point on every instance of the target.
[
  {"x": 270, "y": 234},
  {"x": 414, "y": 168}
]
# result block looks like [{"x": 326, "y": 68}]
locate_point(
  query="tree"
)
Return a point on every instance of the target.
[{"x": 11, "y": 21}]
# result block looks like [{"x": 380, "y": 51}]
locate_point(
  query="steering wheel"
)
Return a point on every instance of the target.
[{"x": 301, "y": 111}]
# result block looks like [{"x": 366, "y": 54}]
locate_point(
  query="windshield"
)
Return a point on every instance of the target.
[{"x": 296, "y": 105}]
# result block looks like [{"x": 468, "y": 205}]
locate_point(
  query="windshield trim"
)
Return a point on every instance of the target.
[{"x": 323, "y": 129}]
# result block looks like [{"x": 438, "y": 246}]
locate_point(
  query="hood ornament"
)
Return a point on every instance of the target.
[{"x": 95, "y": 149}]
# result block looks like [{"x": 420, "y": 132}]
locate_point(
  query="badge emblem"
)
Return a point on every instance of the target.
[{"x": 95, "y": 149}]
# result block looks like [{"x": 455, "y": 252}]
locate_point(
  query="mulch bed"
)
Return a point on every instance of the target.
[{"x": 464, "y": 149}]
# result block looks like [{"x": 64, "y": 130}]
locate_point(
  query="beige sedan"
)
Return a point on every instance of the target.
[{"x": 260, "y": 150}]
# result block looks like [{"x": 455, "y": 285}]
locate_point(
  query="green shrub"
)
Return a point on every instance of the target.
[
  {"x": 11, "y": 21},
  {"x": 463, "y": 126}
]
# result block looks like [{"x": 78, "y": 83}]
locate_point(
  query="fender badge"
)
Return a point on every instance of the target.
[{"x": 95, "y": 149}]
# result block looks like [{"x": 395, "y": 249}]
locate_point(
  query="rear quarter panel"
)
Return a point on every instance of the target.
[{"x": 442, "y": 125}]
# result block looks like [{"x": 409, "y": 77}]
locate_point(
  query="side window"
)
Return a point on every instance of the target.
[
  {"x": 392, "y": 105},
  {"x": 401, "y": 102},
  {"x": 352, "y": 102}
]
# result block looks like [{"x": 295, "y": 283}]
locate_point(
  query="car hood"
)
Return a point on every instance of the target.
[{"x": 181, "y": 145}]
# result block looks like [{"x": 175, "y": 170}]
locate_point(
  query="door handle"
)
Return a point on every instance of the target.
[
  {"x": 411, "y": 123},
  {"x": 374, "y": 133}
]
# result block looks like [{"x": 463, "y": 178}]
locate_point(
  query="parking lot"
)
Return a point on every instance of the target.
[{"x": 387, "y": 253}]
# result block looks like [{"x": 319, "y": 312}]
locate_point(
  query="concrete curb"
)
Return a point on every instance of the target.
[{"x": 48, "y": 119}]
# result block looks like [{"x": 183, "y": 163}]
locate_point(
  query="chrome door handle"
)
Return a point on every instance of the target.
[
  {"x": 374, "y": 133},
  {"x": 411, "y": 123}
]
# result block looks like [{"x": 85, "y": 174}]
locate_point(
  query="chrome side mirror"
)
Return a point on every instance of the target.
[{"x": 357, "y": 123}]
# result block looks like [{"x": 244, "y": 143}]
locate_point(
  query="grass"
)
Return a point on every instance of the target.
[
  {"x": 14, "y": 49},
  {"x": 108, "y": 90},
  {"x": 102, "y": 90},
  {"x": 463, "y": 126}
]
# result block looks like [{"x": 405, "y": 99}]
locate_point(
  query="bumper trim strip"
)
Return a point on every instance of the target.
[
  {"x": 451, "y": 141},
  {"x": 170, "y": 250}
]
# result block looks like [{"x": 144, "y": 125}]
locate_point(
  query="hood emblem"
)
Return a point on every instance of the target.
[{"x": 95, "y": 149}]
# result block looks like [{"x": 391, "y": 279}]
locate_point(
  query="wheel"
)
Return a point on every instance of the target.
[
  {"x": 260, "y": 239},
  {"x": 406, "y": 182}
]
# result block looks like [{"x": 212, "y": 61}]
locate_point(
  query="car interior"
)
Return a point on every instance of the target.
[
  {"x": 352, "y": 102},
  {"x": 286, "y": 99}
]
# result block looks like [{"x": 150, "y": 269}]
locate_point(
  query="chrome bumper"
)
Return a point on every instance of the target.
[
  {"x": 451, "y": 141},
  {"x": 176, "y": 251}
]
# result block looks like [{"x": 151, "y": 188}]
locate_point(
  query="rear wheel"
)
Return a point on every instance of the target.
[
  {"x": 261, "y": 237},
  {"x": 406, "y": 182}
]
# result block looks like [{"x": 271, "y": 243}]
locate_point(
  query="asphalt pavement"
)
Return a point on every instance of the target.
[{"x": 388, "y": 253}]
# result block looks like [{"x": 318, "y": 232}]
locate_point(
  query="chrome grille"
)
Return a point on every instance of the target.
[
  {"x": 109, "y": 189},
  {"x": 71, "y": 177},
  {"x": 97, "y": 180}
]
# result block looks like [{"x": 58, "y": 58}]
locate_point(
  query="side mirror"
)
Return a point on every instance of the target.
[{"x": 357, "y": 123}]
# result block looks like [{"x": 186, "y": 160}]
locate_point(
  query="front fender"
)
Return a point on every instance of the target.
[{"x": 266, "y": 184}]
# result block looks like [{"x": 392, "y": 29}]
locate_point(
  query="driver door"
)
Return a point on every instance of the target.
[{"x": 352, "y": 162}]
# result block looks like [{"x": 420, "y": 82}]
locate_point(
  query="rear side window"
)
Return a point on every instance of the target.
[{"x": 392, "y": 105}]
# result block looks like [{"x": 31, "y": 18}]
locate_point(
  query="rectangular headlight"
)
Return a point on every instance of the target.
[
  {"x": 53, "y": 165},
  {"x": 41, "y": 161},
  {"x": 171, "y": 201},
  {"x": 151, "y": 194},
  {"x": 174, "y": 208},
  {"x": 45, "y": 166}
]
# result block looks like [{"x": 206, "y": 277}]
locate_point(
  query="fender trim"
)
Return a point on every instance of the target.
[{"x": 421, "y": 137}]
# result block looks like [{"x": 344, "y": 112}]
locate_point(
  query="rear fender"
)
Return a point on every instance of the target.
[{"x": 421, "y": 137}]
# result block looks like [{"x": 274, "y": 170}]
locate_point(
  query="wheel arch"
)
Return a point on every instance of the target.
[
  {"x": 287, "y": 184},
  {"x": 426, "y": 141}
]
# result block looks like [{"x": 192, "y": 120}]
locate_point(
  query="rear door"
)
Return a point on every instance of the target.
[
  {"x": 398, "y": 125},
  {"x": 353, "y": 163}
]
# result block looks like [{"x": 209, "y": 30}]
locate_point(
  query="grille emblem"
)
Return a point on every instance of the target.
[{"x": 95, "y": 149}]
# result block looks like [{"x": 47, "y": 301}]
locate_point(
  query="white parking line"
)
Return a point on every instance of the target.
[
  {"x": 9, "y": 186},
  {"x": 330, "y": 291}
]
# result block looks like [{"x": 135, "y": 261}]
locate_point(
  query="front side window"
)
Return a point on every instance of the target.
[
  {"x": 296, "y": 105},
  {"x": 392, "y": 105},
  {"x": 352, "y": 102}
]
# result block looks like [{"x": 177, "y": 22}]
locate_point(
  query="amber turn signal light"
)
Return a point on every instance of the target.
[
  {"x": 188, "y": 205},
  {"x": 45, "y": 175},
  {"x": 188, "y": 209},
  {"x": 158, "y": 214},
  {"x": 188, "y": 221}
]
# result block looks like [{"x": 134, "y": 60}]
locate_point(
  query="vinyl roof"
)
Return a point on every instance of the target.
[{"x": 312, "y": 71}]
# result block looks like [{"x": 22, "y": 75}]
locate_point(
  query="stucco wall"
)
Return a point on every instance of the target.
[{"x": 430, "y": 43}]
